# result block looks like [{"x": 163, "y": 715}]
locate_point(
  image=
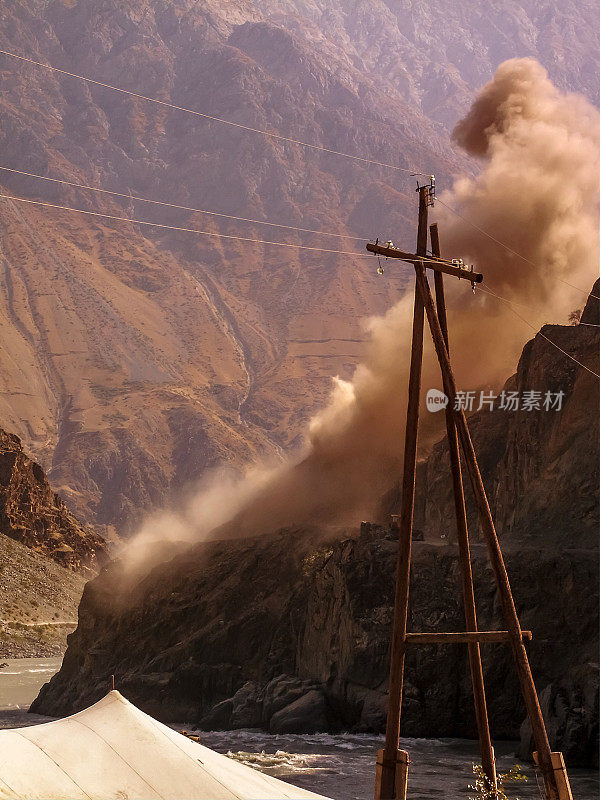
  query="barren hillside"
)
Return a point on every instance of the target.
[
  {"x": 38, "y": 602},
  {"x": 135, "y": 359}
]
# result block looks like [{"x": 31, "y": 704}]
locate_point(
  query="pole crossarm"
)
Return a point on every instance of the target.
[
  {"x": 466, "y": 637},
  {"x": 431, "y": 262}
]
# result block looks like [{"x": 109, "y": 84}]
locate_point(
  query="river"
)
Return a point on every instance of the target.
[
  {"x": 340, "y": 767},
  {"x": 20, "y": 681}
]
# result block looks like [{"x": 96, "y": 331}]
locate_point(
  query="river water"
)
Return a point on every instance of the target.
[
  {"x": 21, "y": 680},
  {"x": 340, "y": 767}
]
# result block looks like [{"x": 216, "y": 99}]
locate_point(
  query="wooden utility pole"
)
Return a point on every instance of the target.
[
  {"x": 391, "y": 781},
  {"x": 391, "y": 756}
]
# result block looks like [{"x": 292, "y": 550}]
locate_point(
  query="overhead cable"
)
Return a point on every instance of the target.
[
  {"x": 211, "y": 117},
  {"x": 538, "y": 332},
  {"x": 129, "y": 196},
  {"x": 179, "y": 228},
  {"x": 507, "y": 247}
]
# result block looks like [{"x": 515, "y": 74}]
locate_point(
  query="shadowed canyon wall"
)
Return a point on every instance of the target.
[{"x": 222, "y": 637}]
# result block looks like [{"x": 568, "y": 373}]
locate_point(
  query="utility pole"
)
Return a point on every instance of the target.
[
  {"x": 394, "y": 762},
  {"x": 391, "y": 782},
  {"x": 485, "y": 743}
]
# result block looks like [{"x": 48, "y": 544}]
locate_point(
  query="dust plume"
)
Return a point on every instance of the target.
[{"x": 538, "y": 190}]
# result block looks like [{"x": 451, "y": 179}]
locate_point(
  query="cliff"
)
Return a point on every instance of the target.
[
  {"x": 230, "y": 641},
  {"x": 291, "y": 632}
]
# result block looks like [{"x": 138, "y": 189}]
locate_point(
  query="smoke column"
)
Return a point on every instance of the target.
[{"x": 539, "y": 191}]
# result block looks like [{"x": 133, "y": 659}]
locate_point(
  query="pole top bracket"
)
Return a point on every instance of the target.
[{"x": 429, "y": 190}]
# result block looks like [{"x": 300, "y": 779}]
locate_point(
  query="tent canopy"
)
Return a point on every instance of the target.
[{"x": 114, "y": 750}]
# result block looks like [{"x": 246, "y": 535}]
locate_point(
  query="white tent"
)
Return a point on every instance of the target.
[{"x": 114, "y": 750}]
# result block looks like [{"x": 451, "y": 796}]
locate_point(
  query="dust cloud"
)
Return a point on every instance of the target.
[{"x": 538, "y": 190}]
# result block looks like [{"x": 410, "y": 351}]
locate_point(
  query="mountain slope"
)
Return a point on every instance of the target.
[
  {"x": 46, "y": 556},
  {"x": 38, "y": 602},
  {"x": 136, "y": 358}
]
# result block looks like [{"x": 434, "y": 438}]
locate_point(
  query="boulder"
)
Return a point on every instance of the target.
[
  {"x": 218, "y": 718},
  {"x": 308, "y": 714},
  {"x": 374, "y": 713},
  {"x": 281, "y": 692},
  {"x": 247, "y": 707},
  {"x": 570, "y": 709}
]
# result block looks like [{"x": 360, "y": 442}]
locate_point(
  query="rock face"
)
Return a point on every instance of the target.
[
  {"x": 32, "y": 514},
  {"x": 230, "y": 642},
  {"x": 570, "y": 705},
  {"x": 46, "y": 555},
  {"x": 196, "y": 353},
  {"x": 542, "y": 469}
]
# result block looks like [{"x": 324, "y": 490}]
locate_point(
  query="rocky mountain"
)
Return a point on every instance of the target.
[
  {"x": 135, "y": 359},
  {"x": 217, "y": 635},
  {"x": 34, "y": 515},
  {"x": 542, "y": 466},
  {"x": 46, "y": 556}
]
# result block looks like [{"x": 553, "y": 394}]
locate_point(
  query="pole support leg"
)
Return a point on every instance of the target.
[
  {"x": 386, "y": 785},
  {"x": 486, "y": 750},
  {"x": 398, "y": 768},
  {"x": 509, "y": 612}
]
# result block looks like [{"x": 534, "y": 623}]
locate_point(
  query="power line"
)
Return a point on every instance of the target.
[
  {"x": 211, "y": 117},
  {"x": 280, "y": 138},
  {"x": 228, "y": 216},
  {"x": 297, "y": 229},
  {"x": 178, "y": 228},
  {"x": 266, "y": 242},
  {"x": 528, "y": 306},
  {"x": 521, "y": 305},
  {"x": 194, "y": 230},
  {"x": 182, "y": 208},
  {"x": 539, "y": 333},
  {"x": 508, "y": 248}
]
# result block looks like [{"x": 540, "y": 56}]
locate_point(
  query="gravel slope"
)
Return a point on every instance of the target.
[{"x": 38, "y": 602}]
